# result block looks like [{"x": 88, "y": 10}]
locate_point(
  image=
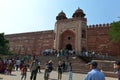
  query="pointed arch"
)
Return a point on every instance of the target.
[{"x": 67, "y": 40}]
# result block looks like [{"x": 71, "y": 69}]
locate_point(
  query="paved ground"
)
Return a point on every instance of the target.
[{"x": 40, "y": 76}]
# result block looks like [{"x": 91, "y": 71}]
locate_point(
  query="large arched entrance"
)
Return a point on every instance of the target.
[
  {"x": 67, "y": 40},
  {"x": 69, "y": 47}
]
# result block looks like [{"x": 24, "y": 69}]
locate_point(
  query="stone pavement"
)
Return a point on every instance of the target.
[{"x": 40, "y": 76}]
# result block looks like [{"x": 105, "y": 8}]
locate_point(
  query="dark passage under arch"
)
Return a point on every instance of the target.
[{"x": 69, "y": 47}]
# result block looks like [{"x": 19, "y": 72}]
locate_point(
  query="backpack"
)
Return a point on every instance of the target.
[{"x": 34, "y": 66}]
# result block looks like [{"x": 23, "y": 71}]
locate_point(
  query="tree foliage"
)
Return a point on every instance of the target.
[
  {"x": 4, "y": 48},
  {"x": 114, "y": 32}
]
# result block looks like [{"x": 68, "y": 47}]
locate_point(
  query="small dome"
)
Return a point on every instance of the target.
[
  {"x": 79, "y": 13},
  {"x": 61, "y": 16}
]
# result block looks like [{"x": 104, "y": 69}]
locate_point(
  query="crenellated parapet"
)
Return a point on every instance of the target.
[{"x": 99, "y": 25}]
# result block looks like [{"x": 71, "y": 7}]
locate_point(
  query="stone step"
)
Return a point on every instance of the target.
[{"x": 79, "y": 65}]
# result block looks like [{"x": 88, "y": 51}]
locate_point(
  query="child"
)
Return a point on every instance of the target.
[{"x": 24, "y": 72}]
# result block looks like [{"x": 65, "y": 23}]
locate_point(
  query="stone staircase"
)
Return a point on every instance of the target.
[{"x": 79, "y": 65}]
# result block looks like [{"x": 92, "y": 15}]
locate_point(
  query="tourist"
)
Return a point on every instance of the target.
[
  {"x": 94, "y": 74},
  {"x": 17, "y": 64},
  {"x": 63, "y": 66},
  {"x": 21, "y": 64},
  {"x": 67, "y": 54},
  {"x": 39, "y": 68},
  {"x": 34, "y": 70},
  {"x": 1, "y": 66},
  {"x": 59, "y": 70},
  {"x": 66, "y": 66},
  {"x": 10, "y": 67},
  {"x": 50, "y": 66},
  {"x": 46, "y": 73},
  {"x": 115, "y": 67},
  {"x": 70, "y": 71},
  {"x": 24, "y": 72},
  {"x": 118, "y": 68}
]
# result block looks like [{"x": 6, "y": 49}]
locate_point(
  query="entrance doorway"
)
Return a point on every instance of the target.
[{"x": 69, "y": 47}]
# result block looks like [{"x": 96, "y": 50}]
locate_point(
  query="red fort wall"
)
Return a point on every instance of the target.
[
  {"x": 34, "y": 42},
  {"x": 98, "y": 40},
  {"x": 31, "y": 43}
]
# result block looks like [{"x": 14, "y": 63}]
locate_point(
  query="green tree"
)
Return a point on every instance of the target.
[
  {"x": 114, "y": 32},
  {"x": 4, "y": 48}
]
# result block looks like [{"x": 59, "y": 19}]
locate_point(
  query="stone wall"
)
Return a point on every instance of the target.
[
  {"x": 34, "y": 42},
  {"x": 99, "y": 41},
  {"x": 31, "y": 43}
]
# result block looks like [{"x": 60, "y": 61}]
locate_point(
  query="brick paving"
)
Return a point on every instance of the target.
[{"x": 40, "y": 76}]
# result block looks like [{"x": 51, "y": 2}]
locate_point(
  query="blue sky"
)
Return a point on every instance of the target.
[{"x": 21, "y": 16}]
